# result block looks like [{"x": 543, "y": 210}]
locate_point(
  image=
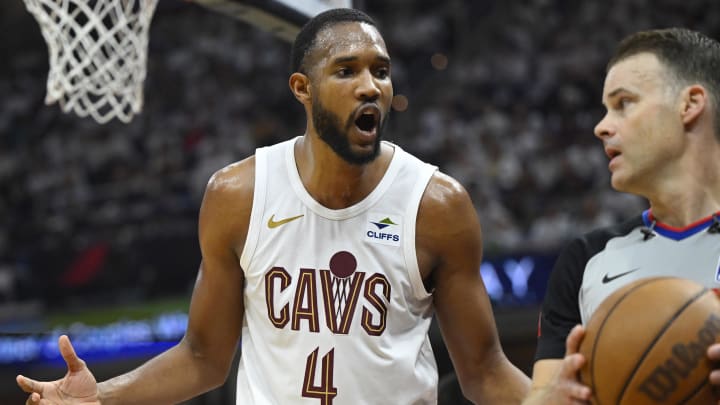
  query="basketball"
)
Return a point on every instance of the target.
[{"x": 646, "y": 344}]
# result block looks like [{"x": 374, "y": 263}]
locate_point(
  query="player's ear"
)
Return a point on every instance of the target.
[
  {"x": 694, "y": 102},
  {"x": 300, "y": 86}
]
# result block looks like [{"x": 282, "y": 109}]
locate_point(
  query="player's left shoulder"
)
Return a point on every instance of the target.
[
  {"x": 445, "y": 208},
  {"x": 444, "y": 194},
  {"x": 447, "y": 227}
]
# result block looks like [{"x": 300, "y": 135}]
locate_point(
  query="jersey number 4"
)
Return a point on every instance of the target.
[{"x": 325, "y": 391}]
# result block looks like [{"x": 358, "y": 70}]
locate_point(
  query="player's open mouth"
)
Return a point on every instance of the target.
[{"x": 367, "y": 119}]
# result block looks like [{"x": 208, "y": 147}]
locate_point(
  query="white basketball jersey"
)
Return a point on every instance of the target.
[{"x": 335, "y": 308}]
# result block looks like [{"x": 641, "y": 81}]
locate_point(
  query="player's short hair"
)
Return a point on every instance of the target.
[
  {"x": 305, "y": 40},
  {"x": 690, "y": 57}
]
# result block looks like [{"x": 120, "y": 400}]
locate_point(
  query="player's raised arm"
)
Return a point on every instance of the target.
[{"x": 449, "y": 243}]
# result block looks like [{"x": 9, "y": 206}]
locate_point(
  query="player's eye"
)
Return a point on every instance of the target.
[
  {"x": 383, "y": 73},
  {"x": 344, "y": 72}
]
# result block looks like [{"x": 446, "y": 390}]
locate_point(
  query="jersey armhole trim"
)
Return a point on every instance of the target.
[
  {"x": 257, "y": 211},
  {"x": 410, "y": 225}
]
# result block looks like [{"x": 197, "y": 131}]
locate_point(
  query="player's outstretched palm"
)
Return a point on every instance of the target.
[{"x": 77, "y": 387}]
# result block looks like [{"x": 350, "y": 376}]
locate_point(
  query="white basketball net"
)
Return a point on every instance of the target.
[{"x": 98, "y": 54}]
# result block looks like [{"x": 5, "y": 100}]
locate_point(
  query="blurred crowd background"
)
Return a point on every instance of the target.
[{"x": 502, "y": 95}]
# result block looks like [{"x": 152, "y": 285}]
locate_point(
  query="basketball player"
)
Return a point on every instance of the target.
[
  {"x": 661, "y": 133},
  {"x": 327, "y": 255}
]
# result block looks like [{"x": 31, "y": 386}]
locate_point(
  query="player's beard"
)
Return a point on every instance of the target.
[{"x": 332, "y": 132}]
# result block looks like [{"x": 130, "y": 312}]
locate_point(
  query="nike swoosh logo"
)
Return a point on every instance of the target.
[
  {"x": 607, "y": 278},
  {"x": 274, "y": 224}
]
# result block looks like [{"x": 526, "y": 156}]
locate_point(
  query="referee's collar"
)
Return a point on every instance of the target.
[{"x": 678, "y": 233}]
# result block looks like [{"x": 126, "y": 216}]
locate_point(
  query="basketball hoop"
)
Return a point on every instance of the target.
[{"x": 98, "y": 54}]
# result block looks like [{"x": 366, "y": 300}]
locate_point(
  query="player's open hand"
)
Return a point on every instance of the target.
[{"x": 77, "y": 387}]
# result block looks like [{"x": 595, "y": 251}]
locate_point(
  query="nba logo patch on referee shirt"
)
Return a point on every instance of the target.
[
  {"x": 384, "y": 229},
  {"x": 717, "y": 271}
]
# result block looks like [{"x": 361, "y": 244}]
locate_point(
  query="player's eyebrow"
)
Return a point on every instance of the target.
[
  {"x": 344, "y": 59},
  {"x": 383, "y": 58}
]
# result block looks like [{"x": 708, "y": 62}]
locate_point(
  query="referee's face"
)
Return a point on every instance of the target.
[{"x": 642, "y": 131}]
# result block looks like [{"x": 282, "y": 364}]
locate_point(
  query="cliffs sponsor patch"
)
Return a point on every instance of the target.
[{"x": 384, "y": 229}]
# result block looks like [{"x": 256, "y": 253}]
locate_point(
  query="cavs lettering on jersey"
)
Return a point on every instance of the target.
[
  {"x": 594, "y": 266},
  {"x": 335, "y": 307}
]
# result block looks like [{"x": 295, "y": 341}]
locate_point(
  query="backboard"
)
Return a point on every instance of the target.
[{"x": 282, "y": 17}]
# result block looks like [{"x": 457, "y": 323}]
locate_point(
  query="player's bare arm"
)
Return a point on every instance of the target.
[
  {"x": 202, "y": 360},
  {"x": 449, "y": 246}
]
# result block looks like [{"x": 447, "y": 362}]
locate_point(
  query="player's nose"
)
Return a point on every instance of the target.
[{"x": 367, "y": 87}]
